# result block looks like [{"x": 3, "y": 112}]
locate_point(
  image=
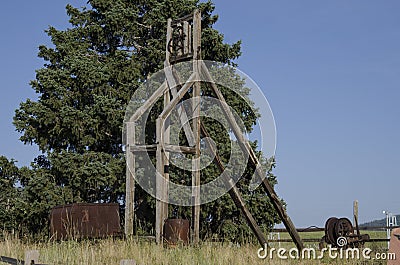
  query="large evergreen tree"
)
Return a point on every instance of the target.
[{"x": 89, "y": 76}]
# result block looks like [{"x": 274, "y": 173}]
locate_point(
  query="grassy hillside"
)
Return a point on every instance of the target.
[{"x": 380, "y": 222}]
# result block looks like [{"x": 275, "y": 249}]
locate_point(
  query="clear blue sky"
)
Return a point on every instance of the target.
[{"x": 331, "y": 73}]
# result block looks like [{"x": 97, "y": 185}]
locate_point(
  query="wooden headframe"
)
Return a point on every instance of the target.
[{"x": 184, "y": 43}]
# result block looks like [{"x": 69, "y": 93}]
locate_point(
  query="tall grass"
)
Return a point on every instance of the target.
[{"x": 109, "y": 252}]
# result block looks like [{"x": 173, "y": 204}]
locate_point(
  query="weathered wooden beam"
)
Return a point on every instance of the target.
[
  {"x": 188, "y": 17},
  {"x": 277, "y": 203},
  {"x": 144, "y": 148},
  {"x": 355, "y": 212},
  {"x": 190, "y": 39},
  {"x": 233, "y": 191},
  {"x": 245, "y": 146},
  {"x": 180, "y": 33},
  {"x": 149, "y": 102},
  {"x": 31, "y": 257},
  {"x": 169, "y": 38},
  {"x": 166, "y": 139},
  {"x": 196, "y": 128},
  {"x": 166, "y": 148},
  {"x": 185, "y": 25},
  {"x": 130, "y": 179},
  {"x": 197, "y": 35},
  {"x": 167, "y": 110},
  {"x": 179, "y": 149},
  {"x": 159, "y": 183},
  {"x": 174, "y": 83}
]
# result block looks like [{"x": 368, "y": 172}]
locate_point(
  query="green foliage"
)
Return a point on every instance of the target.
[
  {"x": 26, "y": 195},
  {"x": 8, "y": 194},
  {"x": 90, "y": 73}
]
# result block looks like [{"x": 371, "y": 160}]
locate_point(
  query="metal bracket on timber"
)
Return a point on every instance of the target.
[{"x": 184, "y": 43}]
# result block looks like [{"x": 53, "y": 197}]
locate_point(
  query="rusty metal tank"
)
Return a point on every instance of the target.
[
  {"x": 176, "y": 231},
  {"x": 85, "y": 220}
]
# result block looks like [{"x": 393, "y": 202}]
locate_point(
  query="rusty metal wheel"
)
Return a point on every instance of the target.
[
  {"x": 330, "y": 232},
  {"x": 344, "y": 228}
]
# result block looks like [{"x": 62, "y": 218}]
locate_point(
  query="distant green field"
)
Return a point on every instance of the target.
[{"x": 319, "y": 235}]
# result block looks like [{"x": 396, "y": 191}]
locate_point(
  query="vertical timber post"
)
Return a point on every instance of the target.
[
  {"x": 196, "y": 127},
  {"x": 159, "y": 182},
  {"x": 169, "y": 37},
  {"x": 31, "y": 257},
  {"x": 166, "y": 139},
  {"x": 162, "y": 158},
  {"x": 355, "y": 212},
  {"x": 130, "y": 179},
  {"x": 166, "y": 132}
]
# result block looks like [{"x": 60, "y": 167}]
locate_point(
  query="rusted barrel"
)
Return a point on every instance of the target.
[{"x": 176, "y": 231}]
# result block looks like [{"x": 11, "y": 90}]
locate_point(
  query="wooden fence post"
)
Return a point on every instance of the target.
[
  {"x": 355, "y": 212},
  {"x": 31, "y": 257}
]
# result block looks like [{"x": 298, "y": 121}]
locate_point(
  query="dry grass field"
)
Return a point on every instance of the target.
[{"x": 109, "y": 252}]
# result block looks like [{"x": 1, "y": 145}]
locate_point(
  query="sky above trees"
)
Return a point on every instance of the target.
[{"x": 331, "y": 73}]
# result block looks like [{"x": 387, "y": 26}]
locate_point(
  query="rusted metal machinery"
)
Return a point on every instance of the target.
[
  {"x": 85, "y": 220},
  {"x": 339, "y": 232}
]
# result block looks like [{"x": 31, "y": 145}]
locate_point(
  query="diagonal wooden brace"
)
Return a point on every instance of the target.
[
  {"x": 173, "y": 84},
  {"x": 245, "y": 146},
  {"x": 233, "y": 190}
]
